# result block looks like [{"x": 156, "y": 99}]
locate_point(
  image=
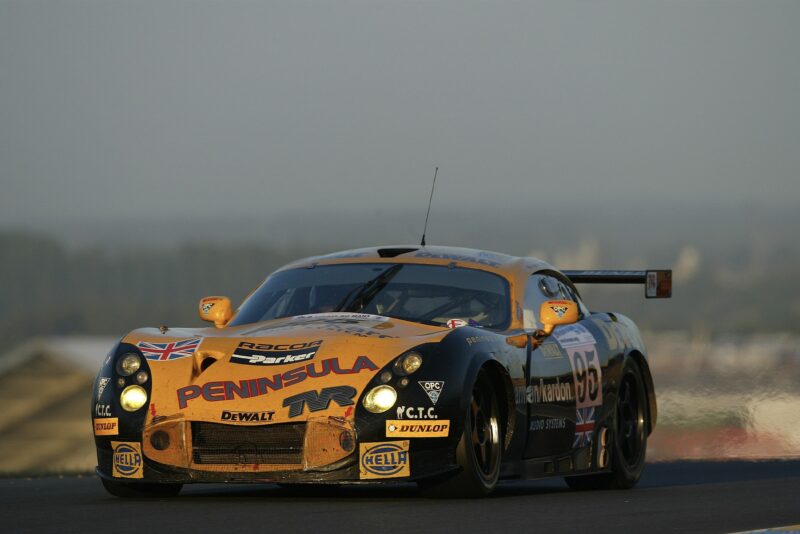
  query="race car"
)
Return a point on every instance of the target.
[{"x": 449, "y": 367}]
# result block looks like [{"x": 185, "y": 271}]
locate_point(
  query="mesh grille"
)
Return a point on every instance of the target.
[{"x": 214, "y": 443}]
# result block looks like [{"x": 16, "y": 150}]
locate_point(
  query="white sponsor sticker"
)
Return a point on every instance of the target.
[
  {"x": 102, "y": 382},
  {"x": 416, "y": 412},
  {"x": 652, "y": 284},
  {"x": 433, "y": 388},
  {"x": 573, "y": 335},
  {"x": 344, "y": 315}
]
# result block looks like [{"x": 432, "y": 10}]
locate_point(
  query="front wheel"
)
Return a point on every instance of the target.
[
  {"x": 480, "y": 449},
  {"x": 629, "y": 441},
  {"x": 140, "y": 490}
]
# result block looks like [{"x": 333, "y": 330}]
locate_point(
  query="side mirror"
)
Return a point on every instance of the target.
[
  {"x": 216, "y": 309},
  {"x": 556, "y": 312}
]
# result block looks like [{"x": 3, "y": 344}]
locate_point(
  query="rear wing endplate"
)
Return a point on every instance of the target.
[{"x": 657, "y": 283}]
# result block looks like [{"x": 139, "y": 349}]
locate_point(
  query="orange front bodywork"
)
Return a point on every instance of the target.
[{"x": 208, "y": 392}]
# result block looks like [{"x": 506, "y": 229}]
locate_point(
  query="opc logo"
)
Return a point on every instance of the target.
[
  {"x": 384, "y": 459},
  {"x": 433, "y": 388}
]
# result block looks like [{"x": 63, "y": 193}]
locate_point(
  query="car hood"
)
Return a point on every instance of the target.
[{"x": 281, "y": 370}]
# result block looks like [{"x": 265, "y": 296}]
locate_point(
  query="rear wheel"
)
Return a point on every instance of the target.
[
  {"x": 479, "y": 452},
  {"x": 629, "y": 440},
  {"x": 140, "y": 490}
]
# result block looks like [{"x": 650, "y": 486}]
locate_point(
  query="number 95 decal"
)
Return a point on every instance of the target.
[{"x": 587, "y": 373}]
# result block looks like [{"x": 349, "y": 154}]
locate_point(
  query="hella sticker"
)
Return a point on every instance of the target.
[
  {"x": 127, "y": 460},
  {"x": 384, "y": 460}
]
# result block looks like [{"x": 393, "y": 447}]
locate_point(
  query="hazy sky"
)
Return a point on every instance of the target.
[{"x": 203, "y": 109}]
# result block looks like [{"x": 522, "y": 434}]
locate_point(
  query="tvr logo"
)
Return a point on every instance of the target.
[{"x": 341, "y": 395}]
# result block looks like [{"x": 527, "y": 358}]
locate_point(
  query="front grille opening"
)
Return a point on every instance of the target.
[{"x": 214, "y": 443}]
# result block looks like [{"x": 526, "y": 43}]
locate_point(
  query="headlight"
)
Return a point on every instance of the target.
[
  {"x": 128, "y": 364},
  {"x": 408, "y": 364},
  {"x": 132, "y": 398},
  {"x": 380, "y": 399}
]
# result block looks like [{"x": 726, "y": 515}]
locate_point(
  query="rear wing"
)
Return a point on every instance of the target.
[{"x": 657, "y": 284}]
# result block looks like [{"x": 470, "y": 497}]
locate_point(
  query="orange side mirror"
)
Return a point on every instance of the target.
[
  {"x": 556, "y": 312},
  {"x": 216, "y": 309}
]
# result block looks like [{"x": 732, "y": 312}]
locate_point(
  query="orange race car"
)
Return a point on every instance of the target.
[{"x": 450, "y": 367}]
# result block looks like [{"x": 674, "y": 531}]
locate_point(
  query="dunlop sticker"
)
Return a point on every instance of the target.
[
  {"x": 127, "y": 460},
  {"x": 439, "y": 428},
  {"x": 108, "y": 426},
  {"x": 388, "y": 459}
]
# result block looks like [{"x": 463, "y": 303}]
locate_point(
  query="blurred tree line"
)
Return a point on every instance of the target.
[{"x": 49, "y": 289}]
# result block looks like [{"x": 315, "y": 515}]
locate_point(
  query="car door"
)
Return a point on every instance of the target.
[{"x": 564, "y": 392}]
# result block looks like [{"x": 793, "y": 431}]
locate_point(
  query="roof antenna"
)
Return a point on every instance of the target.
[{"x": 429, "y": 207}]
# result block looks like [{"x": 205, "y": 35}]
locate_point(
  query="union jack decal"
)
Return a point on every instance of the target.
[
  {"x": 169, "y": 351},
  {"x": 584, "y": 427}
]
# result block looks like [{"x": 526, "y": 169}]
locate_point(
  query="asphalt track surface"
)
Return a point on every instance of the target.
[{"x": 671, "y": 497}]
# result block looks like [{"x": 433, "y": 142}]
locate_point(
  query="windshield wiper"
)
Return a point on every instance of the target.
[{"x": 364, "y": 293}]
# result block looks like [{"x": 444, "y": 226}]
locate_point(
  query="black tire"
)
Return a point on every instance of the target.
[
  {"x": 479, "y": 452},
  {"x": 629, "y": 437},
  {"x": 140, "y": 490}
]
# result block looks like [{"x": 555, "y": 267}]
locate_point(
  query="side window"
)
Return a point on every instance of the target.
[
  {"x": 542, "y": 287},
  {"x": 572, "y": 295},
  {"x": 539, "y": 289}
]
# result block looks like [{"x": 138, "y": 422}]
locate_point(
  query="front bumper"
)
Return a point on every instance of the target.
[{"x": 321, "y": 450}]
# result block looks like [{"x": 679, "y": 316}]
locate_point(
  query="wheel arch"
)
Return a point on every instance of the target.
[
  {"x": 504, "y": 391},
  {"x": 647, "y": 377}
]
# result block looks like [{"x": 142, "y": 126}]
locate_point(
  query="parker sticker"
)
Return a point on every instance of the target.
[
  {"x": 433, "y": 388},
  {"x": 384, "y": 460},
  {"x": 270, "y": 354},
  {"x": 108, "y": 426},
  {"x": 417, "y": 429},
  {"x": 127, "y": 460}
]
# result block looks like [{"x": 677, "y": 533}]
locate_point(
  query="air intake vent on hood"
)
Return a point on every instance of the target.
[{"x": 392, "y": 252}]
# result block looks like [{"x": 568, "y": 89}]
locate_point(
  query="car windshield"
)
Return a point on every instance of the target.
[{"x": 431, "y": 294}]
